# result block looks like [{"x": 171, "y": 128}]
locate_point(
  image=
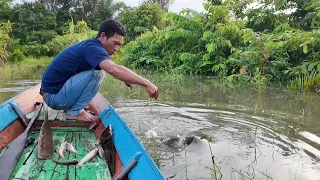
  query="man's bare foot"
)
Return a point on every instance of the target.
[{"x": 84, "y": 116}]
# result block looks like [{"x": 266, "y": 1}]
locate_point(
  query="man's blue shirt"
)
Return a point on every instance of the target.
[{"x": 79, "y": 57}]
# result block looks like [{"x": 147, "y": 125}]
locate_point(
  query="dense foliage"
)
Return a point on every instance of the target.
[
  {"x": 5, "y": 42},
  {"x": 242, "y": 41},
  {"x": 142, "y": 19},
  {"x": 218, "y": 42}
]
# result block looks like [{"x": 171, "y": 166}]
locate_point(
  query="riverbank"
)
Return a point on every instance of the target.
[
  {"x": 33, "y": 68},
  {"x": 30, "y": 68}
]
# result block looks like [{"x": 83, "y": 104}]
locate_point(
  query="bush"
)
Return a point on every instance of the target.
[
  {"x": 36, "y": 50},
  {"x": 41, "y": 37},
  {"x": 5, "y": 41},
  {"x": 16, "y": 57},
  {"x": 73, "y": 34}
]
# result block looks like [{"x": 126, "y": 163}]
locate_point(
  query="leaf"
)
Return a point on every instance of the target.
[
  {"x": 311, "y": 66},
  {"x": 185, "y": 56},
  {"x": 206, "y": 6},
  {"x": 229, "y": 79},
  {"x": 206, "y": 63},
  {"x": 229, "y": 43},
  {"x": 215, "y": 68},
  {"x": 305, "y": 49},
  {"x": 207, "y": 35},
  {"x": 211, "y": 48},
  {"x": 222, "y": 66},
  {"x": 206, "y": 57},
  {"x": 218, "y": 66},
  {"x": 279, "y": 3},
  {"x": 285, "y": 72},
  {"x": 304, "y": 70}
]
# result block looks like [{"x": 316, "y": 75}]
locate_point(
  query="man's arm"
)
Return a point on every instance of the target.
[{"x": 124, "y": 74}]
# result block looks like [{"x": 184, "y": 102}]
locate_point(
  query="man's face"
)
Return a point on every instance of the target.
[{"x": 112, "y": 44}]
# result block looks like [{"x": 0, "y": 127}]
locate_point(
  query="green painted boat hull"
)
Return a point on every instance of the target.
[{"x": 30, "y": 167}]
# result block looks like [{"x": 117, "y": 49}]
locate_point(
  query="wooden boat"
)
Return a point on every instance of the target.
[{"x": 126, "y": 144}]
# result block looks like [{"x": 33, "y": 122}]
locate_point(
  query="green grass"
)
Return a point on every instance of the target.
[
  {"x": 30, "y": 68},
  {"x": 42, "y": 61}
]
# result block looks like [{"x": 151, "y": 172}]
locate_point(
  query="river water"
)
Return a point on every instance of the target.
[{"x": 270, "y": 134}]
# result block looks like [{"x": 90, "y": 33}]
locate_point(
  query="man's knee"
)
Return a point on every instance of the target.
[{"x": 99, "y": 74}]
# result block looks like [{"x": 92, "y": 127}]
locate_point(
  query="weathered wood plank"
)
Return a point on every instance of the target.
[
  {"x": 32, "y": 166},
  {"x": 19, "y": 171},
  {"x": 66, "y": 129}
]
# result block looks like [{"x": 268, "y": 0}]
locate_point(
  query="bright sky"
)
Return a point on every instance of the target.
[{"x": 177, "y": 6}]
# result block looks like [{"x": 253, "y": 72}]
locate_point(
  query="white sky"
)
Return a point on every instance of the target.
[{"x": 177, "y": 6}]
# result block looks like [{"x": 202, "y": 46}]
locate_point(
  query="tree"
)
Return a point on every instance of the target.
[
  {"x": 5, "y": 10},
  {"x": 164, "y": 4},
  {"x": 141, "y": 19},
  {"x": 91, "y": 11},
  {"x": 30, "y": 17},
  {"x": 100, "y": 11},
  {"x": 5, "y": 41}
]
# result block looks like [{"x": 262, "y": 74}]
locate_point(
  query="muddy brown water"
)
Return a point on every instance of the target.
[{"x": 270, "y": 134}]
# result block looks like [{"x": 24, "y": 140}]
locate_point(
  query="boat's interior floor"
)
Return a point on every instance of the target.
[{"x": 30, "y": 167}]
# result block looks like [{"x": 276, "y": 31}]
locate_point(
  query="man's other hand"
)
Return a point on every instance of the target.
[{"x": 129, "y": 85}]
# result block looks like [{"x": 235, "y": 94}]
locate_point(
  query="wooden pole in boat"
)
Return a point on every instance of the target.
[
  {"x": 128, "y": 167},
  {"x": 45, "y": 143},
  {"x": 23, "y": 120},
  {"x": 11, "y": 156}
]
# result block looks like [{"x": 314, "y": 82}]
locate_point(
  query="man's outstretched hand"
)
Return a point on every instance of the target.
[{"x": 152, "y": 90}]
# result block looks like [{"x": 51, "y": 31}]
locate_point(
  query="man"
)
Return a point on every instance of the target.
[{"x": 73, "y": 78}]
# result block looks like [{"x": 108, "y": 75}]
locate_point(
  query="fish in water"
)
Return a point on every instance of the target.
[
  {"x": 69, "y": 162},
  {"x": 61, "y": 149},
  {"x": 70, "y": 148},
  {"x": 177, "y": 141},
  {"x": 88, "y": 157}
]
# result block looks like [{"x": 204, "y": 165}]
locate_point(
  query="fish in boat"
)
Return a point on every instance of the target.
[
  {"x": 92, "y": 154},
  {"x": 60, "y": 150},
  {"x": 111, "y": 143},
  {"x": 70, "y": 148}
]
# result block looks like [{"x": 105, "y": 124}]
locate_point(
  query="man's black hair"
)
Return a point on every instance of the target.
[{"x": 110, "y": 27}]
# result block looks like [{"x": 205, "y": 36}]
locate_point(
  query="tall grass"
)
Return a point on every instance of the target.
[
  {"x": 305, "y": 82},
  {"x": 30, "y": 68}
]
